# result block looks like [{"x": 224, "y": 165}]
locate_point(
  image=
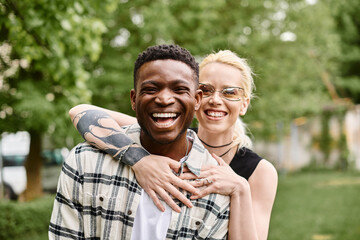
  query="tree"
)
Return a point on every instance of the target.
[
  {"x": 284, "y": 41},
  {"x": 46, "y": 50},
  {"x": 346, "y": 14}
]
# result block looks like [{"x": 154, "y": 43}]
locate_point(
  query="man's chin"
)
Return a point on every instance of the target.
[
  {"x": 161, "y": 139},
  {"x": 165, "y": 141}
]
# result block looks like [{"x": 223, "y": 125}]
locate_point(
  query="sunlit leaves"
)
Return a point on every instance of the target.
[{"x": 59, "y": 40}]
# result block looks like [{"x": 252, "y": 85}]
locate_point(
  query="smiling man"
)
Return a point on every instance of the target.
[
  {"x": 99, "y": 197},
  {"x": 164, "y": 100}
]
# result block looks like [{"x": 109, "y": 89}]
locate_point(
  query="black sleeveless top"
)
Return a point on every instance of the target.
[{"x": 244, "y": 162}]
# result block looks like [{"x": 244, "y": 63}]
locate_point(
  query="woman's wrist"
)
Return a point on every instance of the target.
[{"x": 242, "y": 187}]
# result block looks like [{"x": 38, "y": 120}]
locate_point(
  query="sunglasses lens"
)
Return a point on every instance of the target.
[
  {"x": 206, "y": 89},
  {"x": 229, "y": 93},
  {"x": 232, "y": 93}
]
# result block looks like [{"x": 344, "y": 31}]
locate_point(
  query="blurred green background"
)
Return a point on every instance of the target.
[{"x": 305, "y": 117}]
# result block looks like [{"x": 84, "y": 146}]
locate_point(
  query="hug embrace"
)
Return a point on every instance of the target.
[{"x": 150, "y": 176}]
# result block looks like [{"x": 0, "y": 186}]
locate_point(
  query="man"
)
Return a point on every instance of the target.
[{"x": 99, "y": 198}]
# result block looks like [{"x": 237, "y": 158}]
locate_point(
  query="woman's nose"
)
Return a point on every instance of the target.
[{"x": 215, "y": 98}]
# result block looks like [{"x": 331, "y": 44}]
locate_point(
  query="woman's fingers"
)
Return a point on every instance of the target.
[
  {"x": 166, "y": 191},
  {"x": 203, "y": 174},
  {"x": 188, "y": 176},
  {"x": 175, "y": 165},
  {"x": 178, "y": 195},
  {"x": 155, "y": 199},
  {"x": 203, "y": 193},
  {"x": 197, "y": 183},
  {"x": 220, "y": 161},
  {"x": 169, "y": 200},
  {"x": 179, "y": 183},
  {"x": 156, "y": 175}
]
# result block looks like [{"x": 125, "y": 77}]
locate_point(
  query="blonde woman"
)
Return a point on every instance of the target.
[{"x": 250, "y": 181}]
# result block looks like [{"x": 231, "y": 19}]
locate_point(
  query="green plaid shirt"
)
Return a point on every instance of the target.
[{"x": 98, "y": 196}]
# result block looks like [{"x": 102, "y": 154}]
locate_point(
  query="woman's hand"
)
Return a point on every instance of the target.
[
  {"x": 155, "y": 175},
  {"x": 217, "y": 179}
]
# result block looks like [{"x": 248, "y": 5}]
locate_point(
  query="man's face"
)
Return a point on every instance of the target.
[{"x": 164, "y": 100}]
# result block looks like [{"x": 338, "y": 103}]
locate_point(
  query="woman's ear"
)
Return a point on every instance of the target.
[{"x": 244, "y": 106}]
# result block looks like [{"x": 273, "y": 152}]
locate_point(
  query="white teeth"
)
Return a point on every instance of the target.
[
  {"x": 165, "y": 124},
  {"x": 215, "y": 114},
  {"x": 164, "y": 115}
]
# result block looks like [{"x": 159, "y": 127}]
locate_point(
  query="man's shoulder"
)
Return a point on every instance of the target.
[
  {"x": 85, "y": 155},
  {"x": 132, "y": 129},
  {"x": 133, "y": 132},
  {"x": 84, "y": 149}
]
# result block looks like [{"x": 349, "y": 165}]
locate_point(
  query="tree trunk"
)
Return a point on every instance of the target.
[{"x": 33, "y": 167}]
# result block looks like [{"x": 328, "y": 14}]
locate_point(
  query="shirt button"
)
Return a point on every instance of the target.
[
  {"x": 101, "y": 199},
  {"x": 129, "y": 212},
  {"x": 197, "y": 223}
]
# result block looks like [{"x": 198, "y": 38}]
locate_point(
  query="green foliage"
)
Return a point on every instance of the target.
[
  {"x": 325, "y": 138},
  {"x": 21, "y": 220},
  {"x": 289, "y": 70},
  {"x": 49, "y": 46},
  {"x": 327, "y": 143},
  {"x": 289, "y": 73},
  {"x": 72, "y": 59},
  {"x": 348, "y": 25},
  {"x": 46, "y": 51}
]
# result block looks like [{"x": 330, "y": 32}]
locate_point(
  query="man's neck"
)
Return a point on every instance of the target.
[{"x": 175, "y": 150}]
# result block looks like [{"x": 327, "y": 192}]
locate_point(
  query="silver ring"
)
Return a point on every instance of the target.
[{"x": 207, "y": 181}]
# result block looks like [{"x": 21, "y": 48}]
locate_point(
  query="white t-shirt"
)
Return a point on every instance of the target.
[{"x": 150, "y": 223}]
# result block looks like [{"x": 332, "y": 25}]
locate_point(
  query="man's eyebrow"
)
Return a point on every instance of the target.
[
  {"x": 181, "y": 81},
  {"x": 149, "y": 82}
]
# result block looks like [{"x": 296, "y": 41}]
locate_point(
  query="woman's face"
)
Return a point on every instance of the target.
[{"x": 217, "y": 114}]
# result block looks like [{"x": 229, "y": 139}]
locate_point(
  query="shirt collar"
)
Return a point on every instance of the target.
[{"x": 196, "y": 156}]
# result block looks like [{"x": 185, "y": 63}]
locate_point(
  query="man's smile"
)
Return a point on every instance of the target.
[{"x": 164, "y": 119}]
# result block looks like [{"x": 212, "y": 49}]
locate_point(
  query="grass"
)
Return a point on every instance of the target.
[
  {"x": 317, "y": 206},
  {"x": 309, "y": 206}
]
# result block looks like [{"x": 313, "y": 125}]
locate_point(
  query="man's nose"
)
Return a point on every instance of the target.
[{"x": 165, "y": 97}]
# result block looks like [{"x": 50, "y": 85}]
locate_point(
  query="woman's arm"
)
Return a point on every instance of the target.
[
  {"x": 250, "y": 202},
  {"x": 101, "y": 128},
  {"x": 263, "y": 184},
  {"x": 120, "y": 118}
]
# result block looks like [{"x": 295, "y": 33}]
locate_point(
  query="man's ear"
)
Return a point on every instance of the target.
[
  {"x": 244, "y": 106},
  {"x": 198, "y": 98},
  {"x": 133, "y": 99}
]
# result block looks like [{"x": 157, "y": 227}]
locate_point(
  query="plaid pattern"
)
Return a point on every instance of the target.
[{"x": 98, "y": 196}]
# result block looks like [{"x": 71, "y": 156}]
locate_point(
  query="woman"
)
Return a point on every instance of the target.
[{"x": 250, "y": 181}]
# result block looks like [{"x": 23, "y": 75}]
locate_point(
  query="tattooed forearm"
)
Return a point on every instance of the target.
[{"x": 100, "y": 130}]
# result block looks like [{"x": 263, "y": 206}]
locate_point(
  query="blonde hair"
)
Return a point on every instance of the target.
[{"x": 230, "y": 58}]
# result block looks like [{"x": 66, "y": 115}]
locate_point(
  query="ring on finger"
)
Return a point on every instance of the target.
[{"x": 207, "y": 181}]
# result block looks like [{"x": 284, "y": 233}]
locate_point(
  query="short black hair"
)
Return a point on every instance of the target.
[{"x": 162, "y": 52}]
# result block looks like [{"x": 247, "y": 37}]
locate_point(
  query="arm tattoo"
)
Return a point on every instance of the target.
[{"x": 116, "y": 143}]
